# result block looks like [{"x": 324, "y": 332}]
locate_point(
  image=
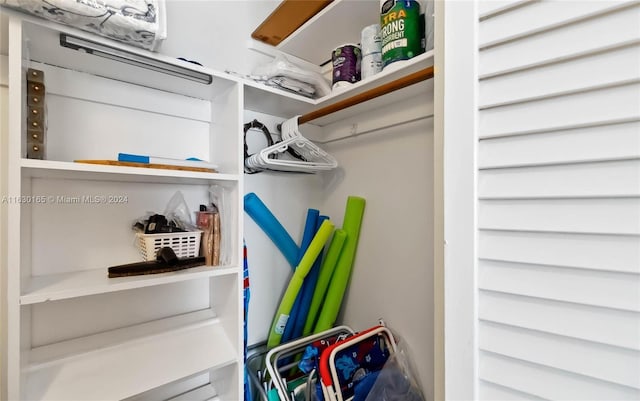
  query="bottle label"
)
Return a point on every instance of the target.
[{"x": 400, "y": 30}]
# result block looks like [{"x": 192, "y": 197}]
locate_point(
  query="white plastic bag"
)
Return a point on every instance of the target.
[
  {"x": 396, "y": 381},
  {"x": 178, "y": 212},
  {"x": 281, "y": 66}
]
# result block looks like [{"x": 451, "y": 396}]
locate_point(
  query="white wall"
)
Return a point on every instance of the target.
[
  {"x": 392, "y": 277},
  {"x": 215, "y": 33}
]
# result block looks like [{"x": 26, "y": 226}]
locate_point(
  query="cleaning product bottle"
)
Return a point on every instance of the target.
[{"x": 400, "y": 30}]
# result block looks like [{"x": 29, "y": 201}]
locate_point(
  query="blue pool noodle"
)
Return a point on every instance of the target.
[
  {"x": 263, "y": 217},
  {"x": 308, "y": 289},
  {"x": 310, "y": 228}
]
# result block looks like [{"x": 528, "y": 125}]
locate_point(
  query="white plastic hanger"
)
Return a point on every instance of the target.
[{"x": 314, "y": 158}]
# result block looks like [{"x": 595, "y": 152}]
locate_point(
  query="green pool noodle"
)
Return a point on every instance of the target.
[
  {"x": 352, "y": 222},
  {"x": 289, "y": 297},
  {"x": 328, "y": 266}
]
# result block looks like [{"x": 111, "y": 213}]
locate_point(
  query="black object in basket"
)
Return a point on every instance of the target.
[
  {"x": 166, "y": 261},
  {"x": 157, "y": 232},
  {"x": 158, "y": 224}
]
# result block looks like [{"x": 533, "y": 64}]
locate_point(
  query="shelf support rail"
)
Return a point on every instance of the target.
[{"x": 418, "y": 76}]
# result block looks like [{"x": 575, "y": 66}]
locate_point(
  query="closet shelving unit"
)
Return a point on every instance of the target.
[
  {"x": 73, "y": 333},
  {"x": 66, "y": 336}
]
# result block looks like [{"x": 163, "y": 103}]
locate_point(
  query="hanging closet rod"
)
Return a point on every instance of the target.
[
  {"x": 374, "y": 130},
  {"x": 389, "y": 87}
]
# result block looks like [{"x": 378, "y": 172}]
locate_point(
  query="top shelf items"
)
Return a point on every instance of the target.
[
  {"x": 259, "y": 97},
  {"x": 338, "y": 22}
]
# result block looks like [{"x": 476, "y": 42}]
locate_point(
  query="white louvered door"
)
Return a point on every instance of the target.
[{"x": 558, "y": 209}]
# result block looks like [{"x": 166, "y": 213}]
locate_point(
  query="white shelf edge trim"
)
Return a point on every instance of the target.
[
  {"x": 56, "y": 287},
  {"x": 393, "y": 71},
  {"x": 54, "y": 167}
]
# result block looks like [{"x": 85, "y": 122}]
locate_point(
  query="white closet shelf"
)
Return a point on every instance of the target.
[
  {"x": 338, "y": 23},
  {"x": 264, "y": 99},
  {"x": 60, "y": 286},
  {"x": 393, "y": 71},
  {"x": 132, "y": 366},
  {"x": 69, "y": 170}
]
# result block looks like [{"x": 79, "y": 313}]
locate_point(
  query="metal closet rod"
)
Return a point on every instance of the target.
[{"x": 389, "y": 87}]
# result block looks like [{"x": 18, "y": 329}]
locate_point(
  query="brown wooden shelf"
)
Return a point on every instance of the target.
[
  {"x": 373, "y": 93},
  {"x": 286, "y": 19}
]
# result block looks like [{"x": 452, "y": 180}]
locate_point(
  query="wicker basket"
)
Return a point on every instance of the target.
[{"x": 185, "y": 245}]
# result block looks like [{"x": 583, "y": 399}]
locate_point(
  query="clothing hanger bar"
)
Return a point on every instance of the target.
[
  {"x": 374, "y": 130},
  {"x": 389, "y": 87}
]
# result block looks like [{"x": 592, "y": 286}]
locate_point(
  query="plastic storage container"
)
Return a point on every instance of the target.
[{"x": 185, "y": 245}]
